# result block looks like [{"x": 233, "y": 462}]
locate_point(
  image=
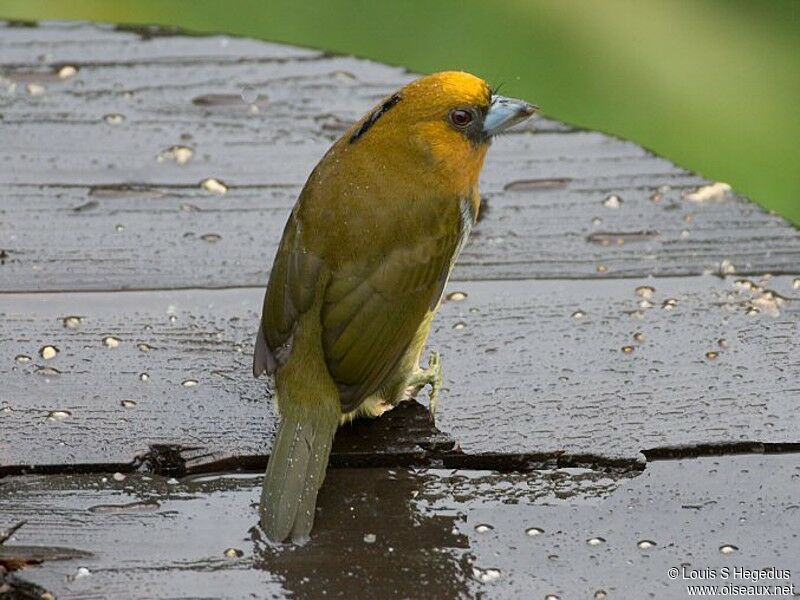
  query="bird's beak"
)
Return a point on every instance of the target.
[{"x": 505, "y": 112}]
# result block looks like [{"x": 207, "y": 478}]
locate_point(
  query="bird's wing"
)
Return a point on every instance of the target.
[
  {"x": 290, "y": 292},
  {"x": 372, "y": 310}
]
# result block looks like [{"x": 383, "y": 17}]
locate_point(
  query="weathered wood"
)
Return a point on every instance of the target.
[
  {"x": 530, "y": 367},
  {"x": 143, "y": 237},
  {"x": 545, "y": 186},
  {"x": 424, "y": 534}
]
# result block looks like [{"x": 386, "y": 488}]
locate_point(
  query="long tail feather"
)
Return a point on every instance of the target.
[{"x": 295, "y": 472}]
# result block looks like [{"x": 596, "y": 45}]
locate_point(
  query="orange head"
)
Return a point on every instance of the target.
[{"x": 442, "y": 123}]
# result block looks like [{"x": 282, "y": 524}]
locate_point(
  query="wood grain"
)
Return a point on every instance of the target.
[
  {"x": 89, "y": 202},
  {"x": 530, "y": 367}
]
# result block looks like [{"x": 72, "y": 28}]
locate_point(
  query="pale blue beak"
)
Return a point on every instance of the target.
[{"x": 505, "y": 112}]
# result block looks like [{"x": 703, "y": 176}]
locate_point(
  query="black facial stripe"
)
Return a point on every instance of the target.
[
  {"x": 377, "y": 114},
  {"x": 474, "y": 131}
]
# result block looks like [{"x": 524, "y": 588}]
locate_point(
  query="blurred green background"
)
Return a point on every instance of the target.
[{"x": 713, "y": 85}]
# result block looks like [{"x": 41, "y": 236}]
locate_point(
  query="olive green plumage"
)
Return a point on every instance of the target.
[{"x": 358, "y": 276}]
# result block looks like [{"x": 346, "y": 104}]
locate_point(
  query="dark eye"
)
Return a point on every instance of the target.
[{"x": 461, "y": 118}]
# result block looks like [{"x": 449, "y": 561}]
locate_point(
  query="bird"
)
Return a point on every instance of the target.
[{"x": 360, "y": 272}]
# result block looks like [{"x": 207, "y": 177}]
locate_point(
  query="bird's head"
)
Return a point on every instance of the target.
[
  {"x": 448, "y": 119},
  {"x": 456, "y": 107}
]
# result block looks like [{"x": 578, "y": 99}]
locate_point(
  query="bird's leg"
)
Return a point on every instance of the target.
[{"x": 431, "y": 376}]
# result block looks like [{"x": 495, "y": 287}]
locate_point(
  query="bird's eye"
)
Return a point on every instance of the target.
[{"x": 460, "y": 118}]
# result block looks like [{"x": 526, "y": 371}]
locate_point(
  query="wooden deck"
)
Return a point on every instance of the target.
[{"x": 621, "y": 348}]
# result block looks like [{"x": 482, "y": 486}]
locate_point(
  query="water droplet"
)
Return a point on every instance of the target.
[
  {"x": 35, "y": 89},
  {"x": 723, "y": 343},
  {"x": 578, "y": 314},
  {"x": 344, "y": 75},
  {"x": 459, "y": 326},
  {"x": 656, "y": 197},
  {"x": 645, "y": 291},
  {"x": 645, "y": 304},
  {"x": 48, "y": 371},
  {"x": 180, "y": 154},
  {"x": 751, "y": 310},
  {"x": 80, "y": 573},
  {"x": 534, "y": 531},
  {"x": 612, "y": 201},
  {"x": 113, "y": 118},
  {"x": 745, "y": 284},
  {"x": 215, "y": 186},
  {"x": 211, "y": 237},
  {"x": 627, "y": 349},
  {"x": 600, "y": 595},
  {"x": 67, "y": 71},
  {"x": 712, "y": 191},
  {"x": 726, "y": 267},
  {"x": 638, "y": 336},
  {"x": 72, "y": 321},
  {"x": 370, "y": 538},
  {"x": 711, "y": 355},
  {"x": 552, "y": 597},
  {"x": 233, "y": 553},
  {"x": 602, "y": 268},
  {"x": 128, "y": 403},
  {"x": 669, "y": 304},
  {"x": 111, "y": 342},
  {"x": 119, "y": 228},
  {"x": 118, "y": 476},
  {"x": 646, "y": 544},
  {"x": 249, "y": 95},
  {"x": 486, "y": 575},
  {"x": 796, "y": 283},
  {"x": 189, "y": 382},
  {"x": 767, "y": 301},
  {"x": 173, "y": 318},
  {"x": 144, "y": 376},
  {"x": 483, "y": 527},
  {"x": 48, "y": 352},
  {"x": 22, "y": 358},
  {"x": 172, "y": 481},
  {"x": 142, "y": 347},
  {"x": 728, "y": 549},
  {"x": 595, "y": 541},
  {"x": 456, "y": 296},
  {"x": 58, "y": 415},
  {"x": 597, "y": 221}
]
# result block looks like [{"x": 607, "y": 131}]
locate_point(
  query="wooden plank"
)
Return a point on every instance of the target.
[
  {"x": 545, "y": 186},
  {"x": 79, "y": 43},
  {"x": 412, "y": 534},
  {"x": 530, "y": 368},
  {"x": 140, "y": 237}
]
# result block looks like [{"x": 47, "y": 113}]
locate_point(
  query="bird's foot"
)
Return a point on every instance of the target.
[{"x": 431, "y": 376}]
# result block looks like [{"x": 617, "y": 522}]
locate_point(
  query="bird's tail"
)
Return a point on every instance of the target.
[{"x": 295, "y": 472}]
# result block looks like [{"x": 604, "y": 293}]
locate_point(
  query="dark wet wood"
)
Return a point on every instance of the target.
[
  {"x": 423, "y": 534},
  {"x": 530, "y": 367},
  {"x": 560, "y": 357},
  {"x": 120, "y": 217}
]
